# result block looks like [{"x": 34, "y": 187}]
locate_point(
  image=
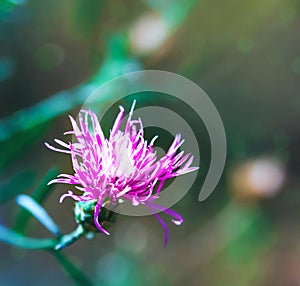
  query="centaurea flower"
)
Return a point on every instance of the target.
[{"x": 121, "y": 167}]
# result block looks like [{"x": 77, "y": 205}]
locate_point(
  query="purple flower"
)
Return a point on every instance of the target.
[{"x": 122, "y": 167}]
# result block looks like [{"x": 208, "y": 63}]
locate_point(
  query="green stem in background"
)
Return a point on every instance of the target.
[
  {"x": 42, "y": 191},
  {"x": 16, "y": 239},
  {"x": 75, "y": 273}
]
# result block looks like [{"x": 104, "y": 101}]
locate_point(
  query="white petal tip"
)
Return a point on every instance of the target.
[
  {"x": 177, "y": 222},
  {"x": 51, "y": 182}
]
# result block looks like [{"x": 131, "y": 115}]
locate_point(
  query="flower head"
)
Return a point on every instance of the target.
[{"x": 123, "y": 166}]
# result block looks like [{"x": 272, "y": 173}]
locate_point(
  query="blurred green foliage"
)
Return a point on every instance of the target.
[{"x": 15, "y": 185}]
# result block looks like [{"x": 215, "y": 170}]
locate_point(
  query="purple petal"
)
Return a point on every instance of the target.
[
  {"x": 166, "y": 229},
  {"x": 96, "y": 214},
  {"x": 178, "y": 218}
]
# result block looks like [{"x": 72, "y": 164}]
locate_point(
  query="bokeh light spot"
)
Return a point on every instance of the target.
[
  {"x": 148, "y": 34},
  {"x": 258, "y": 178}
]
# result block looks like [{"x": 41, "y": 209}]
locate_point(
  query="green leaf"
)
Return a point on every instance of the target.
[
  {"x": 16, "y": 239},
  {"x": 41, "y": 113},
  {"x": 43, "y": 190},
  {"x": 38, "y": 212},
  {"x": 39, "y": 195}
]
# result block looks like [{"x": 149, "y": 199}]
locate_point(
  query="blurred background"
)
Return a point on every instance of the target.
[{"x": 244, "y": 55}]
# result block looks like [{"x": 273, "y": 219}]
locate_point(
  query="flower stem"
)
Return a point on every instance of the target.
[
  {"x": 76, "y": 274},
  {"x": 69, "y": 238}
]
